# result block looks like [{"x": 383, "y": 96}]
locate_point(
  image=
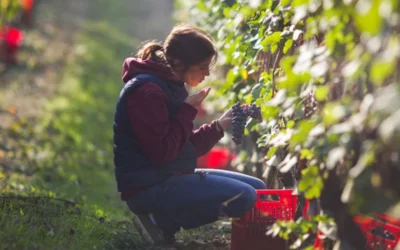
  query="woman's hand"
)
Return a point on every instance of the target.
[
  {"x": 197, "y": 98},
  {"x": 225, "y": 121}
]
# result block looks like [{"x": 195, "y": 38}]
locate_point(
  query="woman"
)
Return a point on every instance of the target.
[{"x": 156, "y": 149}]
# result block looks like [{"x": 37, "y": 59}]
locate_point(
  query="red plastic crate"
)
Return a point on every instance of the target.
[
  {"x": 10, "y": 42},
  {"x": 27, "y": 4},
  {"x": 380, "y": 234},
  {"x": 249, "y": 231},
  {"x": 216, "y": 158},
  {"x": 379, "y": 231}
]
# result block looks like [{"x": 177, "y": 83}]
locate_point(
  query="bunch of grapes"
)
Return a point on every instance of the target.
[
  {"x": 239, "y": 116},
  {"x": 253, "y": 111},
  {"x": 238, "y": 123}
]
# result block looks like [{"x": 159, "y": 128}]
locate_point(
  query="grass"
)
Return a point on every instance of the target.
[
  {"x": 84, "y": 113},
  {"x": 47, "y": 223},
  {"x": 69, "y": 199}
]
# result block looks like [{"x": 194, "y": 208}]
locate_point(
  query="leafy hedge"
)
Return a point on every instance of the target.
[
  {"x": 326, "y": 75},
  {"x": 8, "y": 10}
]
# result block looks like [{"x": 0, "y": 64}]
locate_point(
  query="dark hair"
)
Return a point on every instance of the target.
[{"x": 184, "y": 47}]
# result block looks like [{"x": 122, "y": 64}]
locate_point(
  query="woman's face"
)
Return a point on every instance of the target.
[{"x": 196, "y": 73}]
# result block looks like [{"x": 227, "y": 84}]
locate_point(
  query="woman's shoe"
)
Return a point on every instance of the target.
[{"x": 148, "y": 229}]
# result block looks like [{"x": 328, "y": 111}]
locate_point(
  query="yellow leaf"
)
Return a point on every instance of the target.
[
  {"x": 12, "y": 110},
  {"x": 4, "y": 4},
  {"x": 244, "y": 74}
]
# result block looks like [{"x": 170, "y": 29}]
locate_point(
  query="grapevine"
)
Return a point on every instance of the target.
[{"x": 328, "y": 95}]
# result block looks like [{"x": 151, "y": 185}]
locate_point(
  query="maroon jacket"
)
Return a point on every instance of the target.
[{"x": 160, "y": 138}]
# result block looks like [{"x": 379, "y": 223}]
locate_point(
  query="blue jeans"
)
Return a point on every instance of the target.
[{"x": 193, "y": 200}]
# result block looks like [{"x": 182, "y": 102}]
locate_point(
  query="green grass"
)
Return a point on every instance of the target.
[
  {"x": 83, "y": 115},
  {"x": 72, "y": 152},
  {"x": 43, "y": 223}
]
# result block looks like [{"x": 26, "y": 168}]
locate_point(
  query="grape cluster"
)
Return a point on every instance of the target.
[
  {"x": 253, "y": 111},
  {"x": 238, "y": 123},
  {"x": 239, "y": 116}
]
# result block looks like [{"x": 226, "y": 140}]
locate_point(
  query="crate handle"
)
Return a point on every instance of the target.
[
  {"x": 379, "y": 231},
  {"x": 284, "y": 192},
  {"x": 276, "y": 192}
]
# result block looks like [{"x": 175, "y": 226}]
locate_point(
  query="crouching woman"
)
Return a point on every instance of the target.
[{"x": 156, "y": 146}]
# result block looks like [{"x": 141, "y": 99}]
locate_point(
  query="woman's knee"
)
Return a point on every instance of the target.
[
  {"x": 258, "y": 184},
  {"x": 251, "y": 197}
]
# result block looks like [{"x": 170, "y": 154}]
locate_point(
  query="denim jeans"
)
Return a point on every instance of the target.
[{"x": 193, "y": 200}]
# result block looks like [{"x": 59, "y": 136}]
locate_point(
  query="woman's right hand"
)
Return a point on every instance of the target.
[
  {"x": 197, "y": 98},
  {"x": 225, "y": 121}
]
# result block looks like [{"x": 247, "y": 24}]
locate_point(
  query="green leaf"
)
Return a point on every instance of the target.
[
  {"x": 290, "y": 124},
  {"x": 321, "y": 93},
  {"x": 288, "y": 46},
  {"x": 274, "y": 47},
  {"x": 301, "y": 134},
  {"x": 330, "y": 40},
  {"x": 332, "y": 113},
  {"x": 248, "y": 99},
  {"x": 271, "y": 39},
  {"x": 271, "y": 152},
  {"x": 368, "y": 18},
  {"x": 232, "y": 75},
  {"x": 306, "y": 154},
  {"x": 264, "y": 76},
  {"x": 380, "y": 70},
  {"x": 201, "y": 6},
  {"x": 255, "y": 91},
  {"x": 311, "y": 182},
  {"x": 269, "y": 112},
  {"x": 300, "y": 2},
  {"x": 227, "y": 12}
]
